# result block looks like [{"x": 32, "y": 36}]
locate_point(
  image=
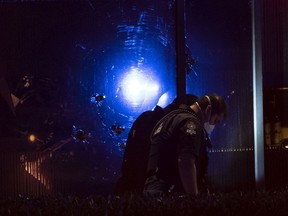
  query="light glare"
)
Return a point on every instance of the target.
[{"x": 139, "y": 88}]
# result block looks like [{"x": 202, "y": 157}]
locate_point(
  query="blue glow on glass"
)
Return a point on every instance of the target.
[
  {"x": 163, "y": 100},
  {"x": 139, "y": 87},
  {"x": 93, "y": 100}
]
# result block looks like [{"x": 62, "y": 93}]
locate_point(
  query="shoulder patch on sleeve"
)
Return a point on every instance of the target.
[{"x": 190, "y": 128}]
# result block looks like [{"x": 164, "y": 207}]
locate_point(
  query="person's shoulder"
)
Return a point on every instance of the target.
[
  {"x": 186, "y": 111},
  {"x": 156, "y": 113},
  {"x": 187, "y": 115}
]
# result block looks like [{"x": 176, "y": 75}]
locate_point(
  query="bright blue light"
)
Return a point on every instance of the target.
[
  {"x": 163, "y": 100},
  {"x": 139, "y": 87}
]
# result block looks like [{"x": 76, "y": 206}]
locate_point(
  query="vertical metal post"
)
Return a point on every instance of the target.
[
  {"x": 258, "y": 94},
  {"x": 180, "y": 48}
]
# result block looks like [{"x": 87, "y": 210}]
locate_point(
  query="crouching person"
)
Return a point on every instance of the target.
[{"x": 177, "y": 142}]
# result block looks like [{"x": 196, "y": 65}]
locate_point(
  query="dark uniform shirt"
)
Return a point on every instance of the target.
[{"x": 179, "y": 132}]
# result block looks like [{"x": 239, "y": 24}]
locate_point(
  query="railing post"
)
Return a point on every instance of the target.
[{"x": 180, "y": 48}]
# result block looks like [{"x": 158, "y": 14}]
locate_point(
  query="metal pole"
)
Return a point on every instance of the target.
[
  {"x": 180, "y": 49},
  {"x": 258, "y": 94}
]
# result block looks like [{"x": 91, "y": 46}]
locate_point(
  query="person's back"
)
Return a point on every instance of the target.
[{"x": 137, "y": 149}]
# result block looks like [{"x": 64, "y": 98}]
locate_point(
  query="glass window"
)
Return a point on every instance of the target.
[
  {"x": 86, "y": 70},
  {"x": 219, "y": 37}
]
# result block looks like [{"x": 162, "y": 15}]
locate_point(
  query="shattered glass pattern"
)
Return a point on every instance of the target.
[
  {"x": 77, "y": 75},
  {"x": 83, "y": 72}
]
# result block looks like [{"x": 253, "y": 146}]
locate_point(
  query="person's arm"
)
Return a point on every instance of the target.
[{"x": 188, "y": 173}]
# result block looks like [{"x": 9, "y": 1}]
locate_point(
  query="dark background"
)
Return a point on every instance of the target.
[{"x": 70, "y": 51}]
